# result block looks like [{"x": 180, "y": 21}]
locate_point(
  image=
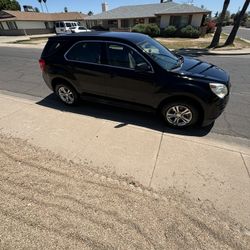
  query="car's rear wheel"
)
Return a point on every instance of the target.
[
  {"x": 180, "y": 114},
  {"x": 67, "y": 94}
]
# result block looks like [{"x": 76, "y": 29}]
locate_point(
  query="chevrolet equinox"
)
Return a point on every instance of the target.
[{"x": 134, "y": 70}]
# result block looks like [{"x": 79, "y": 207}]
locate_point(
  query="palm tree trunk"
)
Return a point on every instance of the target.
[
  {"x": 236, "y": 26},
  {"x": 46, "y": 7},
  {"x": 217, "y": 33}
]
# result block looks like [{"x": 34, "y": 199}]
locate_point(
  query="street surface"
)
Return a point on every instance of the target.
[
  {"x": 50, "y": 203},
  {"x": 242, "y": 32},
  {"x": 20, "y": 73}
]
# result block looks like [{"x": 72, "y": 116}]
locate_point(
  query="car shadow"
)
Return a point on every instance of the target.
[{"x": 122, "y": 116}]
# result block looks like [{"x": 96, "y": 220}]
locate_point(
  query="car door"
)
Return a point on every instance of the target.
[
  {"x": 126, "y": 82},
  {"x": 85, "y": 60}
]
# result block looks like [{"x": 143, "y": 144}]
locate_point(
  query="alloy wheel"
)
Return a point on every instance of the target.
[
  {"x": 179, "y": 115},
  {"x": 66, "y": 95}
]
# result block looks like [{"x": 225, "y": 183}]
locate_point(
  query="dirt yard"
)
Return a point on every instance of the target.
[
  {"x": 201, "y": 43},
  {"x": 47, "y": 202}
]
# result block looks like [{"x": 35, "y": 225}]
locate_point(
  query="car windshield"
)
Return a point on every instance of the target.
[{"x": 160, "y": 54}]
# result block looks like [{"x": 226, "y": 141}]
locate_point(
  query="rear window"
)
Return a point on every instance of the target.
[
  {"x": 88, "y": 52},
  {"x": 52, "y": 47}
]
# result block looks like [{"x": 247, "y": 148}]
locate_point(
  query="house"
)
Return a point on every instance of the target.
[
  {"x": 14, "y": 23},
  {"x": 163, "y": 14}
]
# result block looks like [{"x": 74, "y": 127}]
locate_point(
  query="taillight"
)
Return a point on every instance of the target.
[{"x": 42, "y": 64}]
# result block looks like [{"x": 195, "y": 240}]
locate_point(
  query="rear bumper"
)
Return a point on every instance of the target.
[
  {"x": 214, "y": 111},
  {"x": 47, "y": 80}
]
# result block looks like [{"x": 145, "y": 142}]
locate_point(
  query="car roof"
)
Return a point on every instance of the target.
[{"x": 99, "y": 35}]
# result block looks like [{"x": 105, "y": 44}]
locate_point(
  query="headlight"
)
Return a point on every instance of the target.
[{"x": 219, "y": 89}]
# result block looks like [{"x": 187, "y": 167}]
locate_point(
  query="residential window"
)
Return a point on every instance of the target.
[
  {"x": 112, "y": 23},
  {"x": 152, "y": 20},
  {"x": 123, "y": 56},
  {"x": 88, "y": 52},
  {"x": 139, "y": 20},
  {"x": 125, "y": 23},
  {"x": 12, "y": 25},
  {"x": 180, "y": 21}
]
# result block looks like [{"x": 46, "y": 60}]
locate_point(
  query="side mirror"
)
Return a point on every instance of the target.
[{"x": 142, "y": 67}]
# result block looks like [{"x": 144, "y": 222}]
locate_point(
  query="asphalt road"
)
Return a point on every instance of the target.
[
  {"x": 242, "y": 32},
  {"x": 20, "y": 73}
]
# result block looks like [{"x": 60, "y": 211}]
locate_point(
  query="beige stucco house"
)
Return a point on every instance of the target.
[
  {"x": 163, "y": 14},
  {"x": 29, "y": 23}
]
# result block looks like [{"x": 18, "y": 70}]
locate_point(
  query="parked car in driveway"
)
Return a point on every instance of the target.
[
  {"x": 64, "y": 27},
  {"x": 79, "y": 29},
  {"x": 133, "y": 70}
]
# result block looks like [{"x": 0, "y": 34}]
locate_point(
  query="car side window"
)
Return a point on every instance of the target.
[
  {"x": 123, "y": 56},
  {"x": 88, "y": 52}
]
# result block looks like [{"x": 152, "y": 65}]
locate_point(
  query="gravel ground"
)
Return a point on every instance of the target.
[{"x": 47, "y": 202}]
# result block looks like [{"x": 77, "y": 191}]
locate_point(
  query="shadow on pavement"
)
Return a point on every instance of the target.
[
  {"x": 121, "y": 115},
  {"x": 192, "y": 52}
]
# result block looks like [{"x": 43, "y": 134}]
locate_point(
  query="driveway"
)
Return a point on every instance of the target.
[{"x": 242, "y": 32}]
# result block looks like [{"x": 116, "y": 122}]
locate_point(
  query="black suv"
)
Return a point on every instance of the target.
[{"x": 134, "y": 70}]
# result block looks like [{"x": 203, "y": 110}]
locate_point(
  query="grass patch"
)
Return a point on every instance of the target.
[{"x": 33, "y": 41}]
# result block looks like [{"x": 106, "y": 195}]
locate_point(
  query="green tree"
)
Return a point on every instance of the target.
[
  {"x": 216, "y": 38},
  {"x": 65, "y": 9},
  {"x": 9, "y": 5},
  {"x": 237, "y": 22},
  {"x": 36, "y": 9},
  {"x": 90, "y": 13},
  {"x": 243, "y": 20}
]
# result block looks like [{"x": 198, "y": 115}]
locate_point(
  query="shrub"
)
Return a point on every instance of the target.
[
  {"x": 210, "y": 26},
  {"x": 170, "y": 31},
  {"x": 189, "y": 32},
  {"x": 140, "y": 28},
  {"x": 148, "y": 29}
]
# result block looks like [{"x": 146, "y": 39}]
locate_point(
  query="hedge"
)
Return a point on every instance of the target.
[
  {"x": 148, "y": 29},
  {"x": 169, "y": 31}
]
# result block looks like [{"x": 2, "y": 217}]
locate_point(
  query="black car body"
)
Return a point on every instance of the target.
[{"x": 133, "y": 69}]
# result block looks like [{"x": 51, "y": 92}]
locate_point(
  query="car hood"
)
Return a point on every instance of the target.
[{"x": 195, "y": 68}]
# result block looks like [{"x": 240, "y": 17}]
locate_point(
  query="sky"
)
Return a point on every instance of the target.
[{"x": 95, "y": 5}]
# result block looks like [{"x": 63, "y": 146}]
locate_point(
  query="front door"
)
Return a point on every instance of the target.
[{"x": 125, "y": 81}]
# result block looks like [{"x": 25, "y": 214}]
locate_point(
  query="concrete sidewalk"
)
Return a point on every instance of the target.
[
  {"x": 12, "y": 39},
  {"x": 213, "y": 172}
]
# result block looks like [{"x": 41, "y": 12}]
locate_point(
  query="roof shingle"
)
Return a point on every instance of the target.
[
  {"x": 147, "y": 10},
  {"x": 9, "y": 15}
]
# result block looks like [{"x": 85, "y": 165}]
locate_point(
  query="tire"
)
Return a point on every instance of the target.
[
  {"x": 180, "y": 114},
  {"x": 67, "y": 94}
]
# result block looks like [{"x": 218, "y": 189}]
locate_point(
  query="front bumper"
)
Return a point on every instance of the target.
[{"x": 215, "y": 110}]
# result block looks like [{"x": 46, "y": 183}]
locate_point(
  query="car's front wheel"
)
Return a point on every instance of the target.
[
  {"x": 180, "y": 114},
  {"x": 67, "y": 94}
]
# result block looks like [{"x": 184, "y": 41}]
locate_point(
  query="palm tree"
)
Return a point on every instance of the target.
[
  {"x": 221, "y": 18},
  {"x": 45, "y": 1},
  {"x": 40, "y": 1},
  {"x": 236, "y": 26}
]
